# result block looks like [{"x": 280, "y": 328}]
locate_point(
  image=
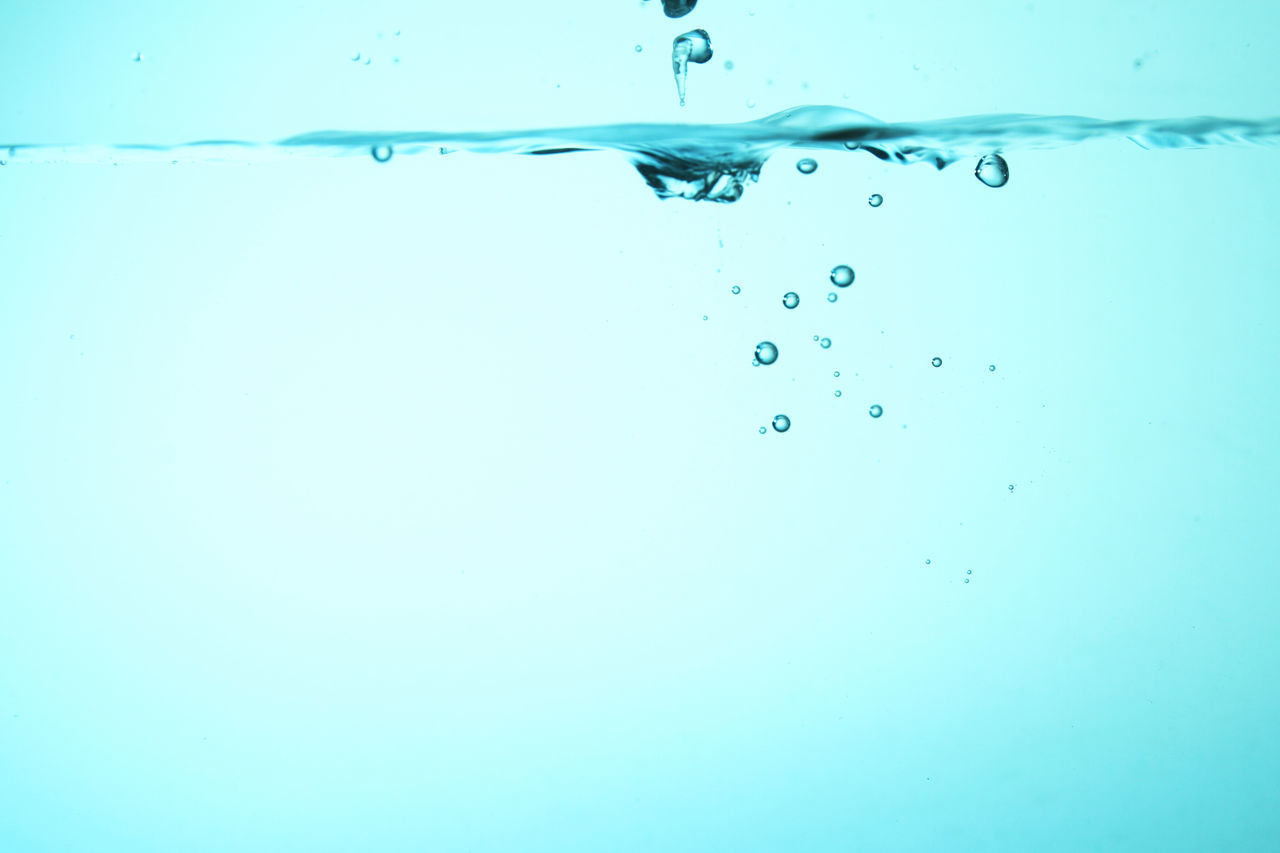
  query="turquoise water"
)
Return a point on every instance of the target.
[{"x": 436, "y": 503}]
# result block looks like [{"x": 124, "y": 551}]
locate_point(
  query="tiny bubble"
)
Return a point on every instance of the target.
[
  {"x": 763, "y": 430},
  {"x": 837, "y": 393},
  {"x": 876, "y": 411},
  {"x": 728, "y": 65},
  {"x": 356, "y": 58},
  {"x": 966, "y": 580},
  {"x": 735, "y": 289},
  {"x": 836, "y": 374},
  {"x": 766, "y": 352},
  {"x": 927, "y": 561},
  {"x": 937, "y": 362},
  {"x": 639, "y": 48},
  {"x": 875, "y": 200},
  {"x": 831, "y": 297},
  {"x": 1011, "y": 487},
  {"x": 138, "y": 57},
  {"x": 968, "y": 571}
]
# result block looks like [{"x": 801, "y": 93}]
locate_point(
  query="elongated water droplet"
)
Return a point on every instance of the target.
[
  {"x": 992, "y": 170},
  {"x": 782, "y": 423},
  {"x": 678, "y": 8},
  {"x": 807, "y": 166},
  {"x": 791, "y": 300},
  {"x": 766, "y": 352},
  {"x": 876, "y": 410},
  {"x": 875, "y": 200},
  {"x": 825, "y": 343},
  {"x": 381, "y": 153},
  {"x": 842, "y": 276},
  {"x": 937, "y": 362},
  {"x": 693, "y": 46}
]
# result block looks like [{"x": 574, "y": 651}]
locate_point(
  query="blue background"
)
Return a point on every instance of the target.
[{"x": 415, "y": 506}]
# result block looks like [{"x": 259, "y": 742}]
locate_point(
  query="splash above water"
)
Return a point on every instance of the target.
[{"x": 715, "y": 162}]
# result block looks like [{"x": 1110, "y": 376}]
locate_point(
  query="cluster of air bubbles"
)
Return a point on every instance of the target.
[
  {"x": 842, "y": 276},
  {"x": 381, "y": 153},
  {"x": 876, "y": 410},
  {"x": 875, "y": 200},
  {"x": 639, "y": 48},
  {"x": 763, "y": 430},
  {"x": 790, "y": 300},
  {"x": 927, "y": 561},
  {"x": 735, "y": 290},
  {"x": 781, "y": 423},
  {"x": 937, "y": 362},
  {"x": 992, "y": 170},
  {"x": 766, "y": 352},
  {"x": 693, "y": 46},
  {"x": 832, "y": 297},
  {"x": 825, "y": 343},
  {"x": 807, "y": 166}
]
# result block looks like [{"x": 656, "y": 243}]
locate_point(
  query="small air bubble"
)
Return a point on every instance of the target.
[
  {"x": 937, "y": 362},
  {"x": 368, "y": 59},
  {"x": 836, "y": 374},
  {"x": 831, "y": 297},
  {"x": 825, "y": 343},
  {"x": 639, "y": 48},
  {"x": 381, "y": 153},
  {"x": 766, "y": 352},
  {"x": 876, "y": 411},
  {"x": 704, "y": 317},
  {"x": 782, "y": 423},
  {"x": 807, "y": 166},
  {"x": 1011, "y": 487},
  {"x": 763, "y": 430},
  {"x": 992, "y": 170},
  {"x": 875, "y": 200},
  {"x": 791, "y": 300},
  {"x": 837, "y": 393},
  {"x": 991, "y": 368},
  {"x": 842, "y": 276},
  {"x": 735, "y": 289},
  {"x": 851, "y": 145}
]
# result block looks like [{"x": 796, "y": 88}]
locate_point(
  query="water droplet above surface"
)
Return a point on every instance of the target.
[
  {"x": 807, "y": 166},
  {"x": 791, "y": 300},
  {"x": 927, "y": 561},
  {"x": 992, "y": 170},
  {"x": 937, "y": 362},
  {"x": 876, "y": 411},
  {"x": 842, "y": 276},
  {"x": 832, "y": 297},
  {"x": 875, "y": 200},
  {"x": 825, "y": 343},
  {"x": 766, "y": 352},
  {"x": 781, "y": 423},
  {"x": 693, "y": 46},
  {"x": 381, "y": 153},
  {"x": 968, "y": 571},
  {"x": 735, "y": 290},
  {"x": 356, "y": 58}
]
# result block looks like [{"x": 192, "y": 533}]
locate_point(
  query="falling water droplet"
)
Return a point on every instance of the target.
[
  {"x": 381, "y": 153},
  {"x": 937, "y": 362},
  {"x": 766, "y": 352},
  {"x": 831, "y": 297},
  {"x": 693, "y": 46},
  {"x": 807, "y": 166},
  {"x": 992, "y": 170},
  {"x": 966, "y": 580},
  {"x": 875, "y": 200},
  {"x": 876, "y": 411},
  {"x": 842, "y": 276},
  {"x": 791, "y": 300},
  {"x": 782, "y": 423},
  {"x": 968, "y": 571},
  {"x": 927, "y": 561},
  {"x": 825, "y": 343},
  {"x": 1011, "y": 487},
  {"x": 678, "y": 8},
  {"x": 735, "y": 289}
]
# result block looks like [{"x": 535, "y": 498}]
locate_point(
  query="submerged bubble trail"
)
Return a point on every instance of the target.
[
  {"x": 992, "y": 170},
  {"x": 807, "y": 166},
  {"x": 381, "y": 153},
  {"x": 693, "y": 46}
]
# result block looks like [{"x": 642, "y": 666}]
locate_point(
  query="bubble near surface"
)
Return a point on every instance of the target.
[
  {"x": 807, "y": 166},
  {"x": 381, "y": 153},
  {"x": 875, "y": 200},
  {"x": 678, "y": 8},
  {"x": 790, "y": 300},
  {"x": 781, "y": 423},
  {"x": 992, "y": 170},
  {"x": 876, "y": 410},
  {"x": 842, "y": 276},
  {"x": 766, "y": 352}
]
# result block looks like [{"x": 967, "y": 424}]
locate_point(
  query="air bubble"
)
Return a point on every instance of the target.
[
  {"x": 837, "y": 393},
  {"x": 735, "y": 290},
  {"x": 825, "y": 343},
  {"x": 831, "y": 297},
  {"x": 927, "y": 561},
  {"x": 992, "y": 170},
  {"x": 836, "y": 374},
  {"x": 790, "y": 300},
  {"x": 678, "y": 8},
  {"x": 968, "y": 571},
  {"x": 1011, "y": 487},
  {"x": 875, "y": 200},
  {"x": 937, "y": 362},
  {"x": 763, "y": 430},
  {"x": 138, "y": 57},
  {"x": 639, "y": 48},
  {"x": 966, "y": 580},
  {"x": 876, "y": 411},
  {"x": 356, "y": 58},
  {"x": 381, "y": 153},
  {"x": 694, "y": 46},
  {"x": 807, "y": 166},
  {"x": 766, "y": 352},
  {"x": 842, "y": 276},
  {"x": 781, "y": 423},
  {"x": 991, "y": 368}
]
